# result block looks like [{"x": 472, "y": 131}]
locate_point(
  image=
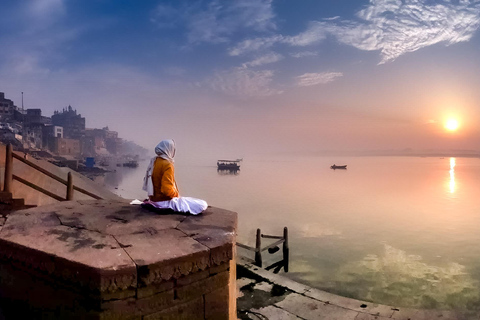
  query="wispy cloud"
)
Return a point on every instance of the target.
[
  {"x": 304, "y": 54},
  {"x": 244, "y": 82},
  {"x": 44, "y": 9},
  {"x": 312, "y": 79},
  {"x": 252, "y": 45},
  {"x": 399, "y": 27},
  {"x": 268, "y": 58},
  {"x": 28, "y": 64},
  {"x": 316, "y": 33},
  {"x": 216, "y": 21},
  {"x": 39, "y": 35},
  {"x": 392, "y": 27}
]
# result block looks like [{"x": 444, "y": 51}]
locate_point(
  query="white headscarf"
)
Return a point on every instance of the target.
[{"x": 165, "y": 150}]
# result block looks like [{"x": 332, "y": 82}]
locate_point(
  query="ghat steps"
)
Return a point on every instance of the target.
[{"x": 23, "y": 196}]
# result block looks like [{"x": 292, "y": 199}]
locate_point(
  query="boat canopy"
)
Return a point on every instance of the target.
[{"x": 229, "y": 161}]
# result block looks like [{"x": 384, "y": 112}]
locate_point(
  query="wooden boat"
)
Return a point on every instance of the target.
[
  {"x": 228, "y": 165},
  {"x": 334, "y": 167},
  {"x": 131, "y": 164}
]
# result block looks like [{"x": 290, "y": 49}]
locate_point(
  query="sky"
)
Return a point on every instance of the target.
[{"x": 233, "y": 78}]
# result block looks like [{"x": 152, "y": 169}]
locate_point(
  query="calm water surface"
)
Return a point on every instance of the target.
[{"x": 403, "y": 231}]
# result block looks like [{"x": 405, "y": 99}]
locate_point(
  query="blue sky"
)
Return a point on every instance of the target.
[{"x": 229, "y": 78}]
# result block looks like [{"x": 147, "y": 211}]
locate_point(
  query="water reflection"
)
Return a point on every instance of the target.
[
  {"x": 228, "y": 172},
  {"x": 452, "y": 175},
  {"x": 398, "y": 278}
]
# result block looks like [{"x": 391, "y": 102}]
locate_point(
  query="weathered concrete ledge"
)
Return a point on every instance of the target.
[
  {"x": 107, "y": 259},
  {"x": 263, "y": 294}
]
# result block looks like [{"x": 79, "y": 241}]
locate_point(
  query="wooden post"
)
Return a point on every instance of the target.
[
  {"x": 285, "y": 249},
  {"x": 8, "y": 179},
  {"x": 69, "y": 187},
  {"x": 258, "y": 253}
]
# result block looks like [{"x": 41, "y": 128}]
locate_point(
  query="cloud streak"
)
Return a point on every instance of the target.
[
  {"x": 216, "y": 21},
  {"x": 268, "y": 58},
  {"x": 40, "y": 34},
  {"x": 304, "y": 54},
  {"x": 44, "y": 9},
  {"x": 252, "y": 45},
  {"x": 393, "y": 27},
  {"x": 399, "y": 27},
  {"x": 312, "y": 79}
]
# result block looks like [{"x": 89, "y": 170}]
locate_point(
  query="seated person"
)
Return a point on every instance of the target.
[
  {"x": 159, "y": 182},
  {"x": 163, "y": 174}
]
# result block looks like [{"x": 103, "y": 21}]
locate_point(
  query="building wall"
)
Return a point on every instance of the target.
[
  {"x": 88, "y": 146},
  {"x": 9, "y": 137},
  {"x": 33, "y": 136},
  {"x": 49, "y": 135},
  {"x": 33, "y": 116},
  {"x": 113, "y": 145},
  {"x": 58, "y": 132},
  {"x": 7, "y": 108},
  {"x": 66, "y": 146},
  {"x": 73, "y": 124}
]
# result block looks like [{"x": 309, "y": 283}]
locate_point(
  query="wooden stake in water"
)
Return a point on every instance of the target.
[
  {"x": 286, "y": 250},
  {"x": 258, "y": 253}
]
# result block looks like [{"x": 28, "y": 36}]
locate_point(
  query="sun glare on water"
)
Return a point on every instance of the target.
[{"x": 451, "y": 125}]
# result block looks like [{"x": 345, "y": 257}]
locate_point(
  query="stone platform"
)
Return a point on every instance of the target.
[{"x": 107, "y": 259}]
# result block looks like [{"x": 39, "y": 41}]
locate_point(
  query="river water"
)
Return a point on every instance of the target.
[{"x": 403, "y": 231}]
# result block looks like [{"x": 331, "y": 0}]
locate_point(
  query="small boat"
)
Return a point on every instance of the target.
[
  {"x": 131, "y": 164},
  {"x": 334, "y": 167},
  {"x": 228, "y": 165}
]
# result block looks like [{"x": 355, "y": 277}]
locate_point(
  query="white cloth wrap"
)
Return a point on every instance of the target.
[
  {"x": 166, "y": 150},
  {"x": 147, "y": 180},
  {"x": 181, "y": 204}
]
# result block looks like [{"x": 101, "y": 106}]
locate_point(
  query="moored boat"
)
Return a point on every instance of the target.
[
  {"x": 228, "y": 165},
  {"x": 131, "y": 164}
]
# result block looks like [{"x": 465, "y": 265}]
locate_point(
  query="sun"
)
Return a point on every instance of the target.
[{"x": 451, "y": 125}]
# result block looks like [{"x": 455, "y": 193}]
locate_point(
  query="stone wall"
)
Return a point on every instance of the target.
[
  {"x": 205, "y": 294},
  {"x": 110, "y": 260}
]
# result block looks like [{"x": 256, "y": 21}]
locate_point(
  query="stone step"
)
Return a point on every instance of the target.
[
  {"x": 5, "y": 196},
  {"x": 14, "y": 202},
  {"x": 9, "y": 204},
  {"x": 5, "y": 209},
  {"x": 17, "y": 202}
]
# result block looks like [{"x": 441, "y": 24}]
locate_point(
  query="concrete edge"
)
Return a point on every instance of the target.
[{"x": 365, "y": 307}]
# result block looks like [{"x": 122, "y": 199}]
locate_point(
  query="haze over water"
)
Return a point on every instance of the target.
[{"x": 396, "y": 230}]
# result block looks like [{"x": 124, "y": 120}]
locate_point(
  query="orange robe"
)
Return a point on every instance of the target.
[{"x": 163, "y": 179}]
